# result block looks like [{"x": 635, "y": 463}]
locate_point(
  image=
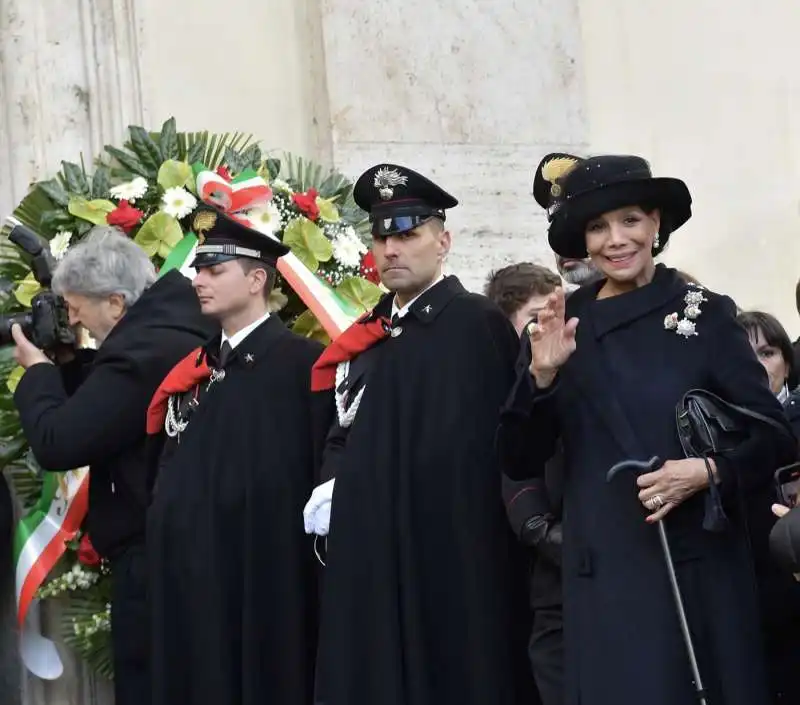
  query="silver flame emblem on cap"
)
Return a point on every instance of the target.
[{"x": 385, "y": 181}]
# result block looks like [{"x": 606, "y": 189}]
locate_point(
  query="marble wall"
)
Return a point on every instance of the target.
[
  {"x": 469, "y": 93},
  {"x": 712, "y": 97},
  {"x": 69, "y": 83}
]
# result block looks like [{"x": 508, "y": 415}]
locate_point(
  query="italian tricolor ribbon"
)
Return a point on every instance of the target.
[
  {"x": 40, "y": 540},
  {"x": 247, "y": 190}
]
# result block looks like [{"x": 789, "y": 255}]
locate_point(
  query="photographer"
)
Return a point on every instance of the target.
[{"x": 94, "y": 414}]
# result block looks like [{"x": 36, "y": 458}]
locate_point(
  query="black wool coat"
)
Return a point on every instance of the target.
[
  {"x": 95, "y": 415},
  {"x": 615, "y": 399}
]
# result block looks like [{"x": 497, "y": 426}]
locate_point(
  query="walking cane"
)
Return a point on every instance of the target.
[{"x": 651, "y": 466}]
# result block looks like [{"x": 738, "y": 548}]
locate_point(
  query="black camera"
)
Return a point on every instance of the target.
[{"x": 46, "y": 325}]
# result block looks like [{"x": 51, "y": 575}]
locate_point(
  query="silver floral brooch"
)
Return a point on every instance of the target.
[{"x": 686, "y": 326}]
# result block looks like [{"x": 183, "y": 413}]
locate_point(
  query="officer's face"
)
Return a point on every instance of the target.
[
  {"x": 409, "y": 262},
  {"x": 226, "y": 289},
  {"x": 98, "y": 315},
  {"x": 620, "y": 243}
]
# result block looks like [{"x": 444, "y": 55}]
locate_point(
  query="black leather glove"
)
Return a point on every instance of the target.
[{"x": 543, "y": 533}]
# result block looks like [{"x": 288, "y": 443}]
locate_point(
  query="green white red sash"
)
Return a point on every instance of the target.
[{"x": 40, "y": 540}]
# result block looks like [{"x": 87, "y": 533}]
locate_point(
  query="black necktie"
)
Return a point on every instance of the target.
[{"x": 224, "y": 353}]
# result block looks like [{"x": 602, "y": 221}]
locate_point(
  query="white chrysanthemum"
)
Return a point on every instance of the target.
[
  {"x": 280, "y": 185},
  {"x": 60, "y": 243},
  {"x": 130, "y": 190},
  {"x": 178, "y": 202},
  {"x": 265, "y": 219},
  {"x": 348, "y": 249}
]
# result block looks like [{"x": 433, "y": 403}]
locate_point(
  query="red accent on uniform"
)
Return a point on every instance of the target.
[
  {"x": 360, "y": 336},
  {"x": 188, "y": 373}
]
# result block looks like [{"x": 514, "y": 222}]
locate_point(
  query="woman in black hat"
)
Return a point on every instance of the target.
[{"x": 608, "y": 368}]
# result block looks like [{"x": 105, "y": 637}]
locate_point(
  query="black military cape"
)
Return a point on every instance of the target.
[
  {"x": 418, "y": 593},
  {"x": 233, "y": 575}
]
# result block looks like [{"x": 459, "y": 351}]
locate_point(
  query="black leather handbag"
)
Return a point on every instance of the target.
[{"x": 707, "y": 426}]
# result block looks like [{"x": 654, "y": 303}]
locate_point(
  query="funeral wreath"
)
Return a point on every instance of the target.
[{"x": 148, "y": 188}]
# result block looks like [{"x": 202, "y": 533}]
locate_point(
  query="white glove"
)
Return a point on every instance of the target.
[{"x": 317, "y": 512}]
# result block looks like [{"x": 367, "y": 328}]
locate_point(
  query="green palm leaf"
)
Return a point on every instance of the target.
[{"x": 302, "y": 175}]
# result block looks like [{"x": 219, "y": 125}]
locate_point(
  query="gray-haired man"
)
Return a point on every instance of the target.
[{"x": 92, "y": 412}]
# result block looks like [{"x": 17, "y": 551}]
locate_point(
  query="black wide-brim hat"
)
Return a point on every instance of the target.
[{"x": 605, "y": 183}]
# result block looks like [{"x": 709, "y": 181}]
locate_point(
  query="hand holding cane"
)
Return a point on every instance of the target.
[{"x": 651, "y": 466}]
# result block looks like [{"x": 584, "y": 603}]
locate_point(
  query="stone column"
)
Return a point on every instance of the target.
[
  {"x": 470, "y": 93},
  {"x": 69, "y": 84}
]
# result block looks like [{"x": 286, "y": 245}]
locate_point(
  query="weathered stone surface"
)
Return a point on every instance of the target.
[
  {"x": 471, "y": 94},
  {"x": 69, "y": 84}
]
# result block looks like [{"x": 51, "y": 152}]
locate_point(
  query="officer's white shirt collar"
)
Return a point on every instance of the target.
[
  {"x": 239, "y": 336},
  {"x": 400, "y": 312}
]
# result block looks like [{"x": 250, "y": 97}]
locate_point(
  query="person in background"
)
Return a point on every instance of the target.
[
  {"x": 520, "y": 290},
  {"x": 577, "y": 272},
  {"x": 773, "y": 348},
  {"x": 779, "y": 594},
  {"x": 784, "y": 543},
  {"x": 533, "y": 506},
  {"x": 91, "y": 411}
]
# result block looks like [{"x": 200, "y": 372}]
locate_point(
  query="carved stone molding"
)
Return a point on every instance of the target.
[{"x": 69, "y": 83}]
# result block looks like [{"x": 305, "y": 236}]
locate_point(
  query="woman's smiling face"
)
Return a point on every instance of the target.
[{"x": 620, "y": 243}]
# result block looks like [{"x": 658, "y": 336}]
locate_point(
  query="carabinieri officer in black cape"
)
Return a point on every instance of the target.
[
  {"x": 232, "y": 574},
  {"x": 418, "y": 595}
]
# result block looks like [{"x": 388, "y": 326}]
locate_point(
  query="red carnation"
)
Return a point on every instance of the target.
[
  {"x": 224, "y": 172},
  {"x": 86, "y": 553},
  {"x": 307, "y": 203},
  {"x": 125, "y": 216},
  {"x": 369, "y": 269}
]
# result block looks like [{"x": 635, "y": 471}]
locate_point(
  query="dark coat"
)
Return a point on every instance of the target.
[
  {"x": 779, "y": 592},
  {"x": 615, "y": 399},
  {"x": 537, "y": 496},
  {"x": 785, "y": 542},
  {"x": 419, "y": 592},
  {"x": 233, "y": 577},
  {"x": 102, "y": 423}
]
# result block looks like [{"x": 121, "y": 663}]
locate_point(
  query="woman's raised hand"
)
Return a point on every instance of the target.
[{"x": 552, "y": 340}]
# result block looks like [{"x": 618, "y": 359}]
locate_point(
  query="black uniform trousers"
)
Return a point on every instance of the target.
[
  {"x": 130, "y": 627},
  {"x": 546, "y": 654}
]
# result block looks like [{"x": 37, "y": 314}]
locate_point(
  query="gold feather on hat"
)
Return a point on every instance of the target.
[
  {"x": 556, "y": 169},
  {"x": 202, "y": 223}
]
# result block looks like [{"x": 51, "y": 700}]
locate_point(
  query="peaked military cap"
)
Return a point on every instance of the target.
[
  {"x": 222, "y": 237},
  {"x": 605, "y": 183},
  {"x": 399, "y": 199},
  {"x": 547, "y": 189}
]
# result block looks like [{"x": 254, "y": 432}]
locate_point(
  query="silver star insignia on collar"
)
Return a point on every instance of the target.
[
  {"x": 249, "y": 357},
  {"x": 427, "y": 309}
]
